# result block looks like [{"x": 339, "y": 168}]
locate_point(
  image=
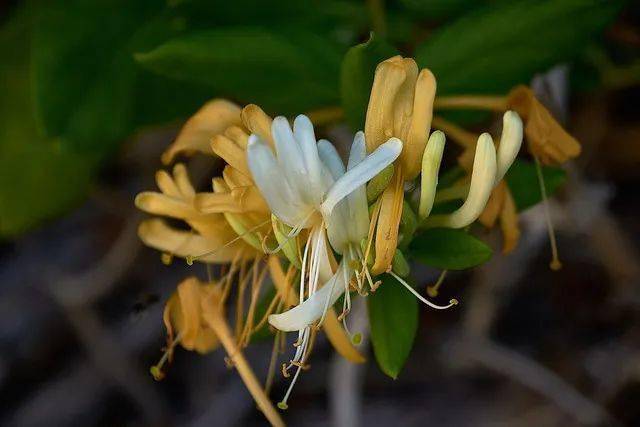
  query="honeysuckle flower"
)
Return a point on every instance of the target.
[
  {"x": 303, "y": 183},
  {"x": 182, "y": 318},
  {"x": 210, "y": 233},
  {"x": 401, "y": 106},
  {"x": 489, "y": 168},
  {"x": 547, "y": 140}
]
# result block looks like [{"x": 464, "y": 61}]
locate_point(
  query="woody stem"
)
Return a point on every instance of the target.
[{"x": 220, "y": 327}]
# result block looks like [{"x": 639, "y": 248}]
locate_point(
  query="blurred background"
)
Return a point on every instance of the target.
[{"x": 92, "y": 92}]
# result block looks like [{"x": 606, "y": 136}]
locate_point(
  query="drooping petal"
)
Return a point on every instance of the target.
[
  {"x": 510, "y": 142},
  {"x": 309, "y": 311},
  {"x": 509, "y": 223},
  {"x": 482, "y": 183},
  {"x": 373, "y": 164},
  {"x": 213, "y": 118},
  {"x": 431, "y": 160}
]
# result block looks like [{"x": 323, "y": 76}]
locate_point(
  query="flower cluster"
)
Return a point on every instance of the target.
[{"x": 287, "y": 212}]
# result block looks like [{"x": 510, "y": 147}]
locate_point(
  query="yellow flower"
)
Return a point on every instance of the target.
[
  {"x": 401, "y": 106},
  {"x": 547, "y": 140}
]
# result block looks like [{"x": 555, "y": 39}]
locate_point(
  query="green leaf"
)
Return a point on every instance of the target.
[
  {"x": 356, "y": 77},
  {"x": 491, "y": 50},
  {"x": 88, "y": 90},
  {"x": 284, "y": 72},
  {"x": 523, "y": 182},
  {"x": 393, "y": 316},
  {"x": 38, "y": 178},
  {"x": 441, "y": 9},
  {"x": 449, "y": 249}
]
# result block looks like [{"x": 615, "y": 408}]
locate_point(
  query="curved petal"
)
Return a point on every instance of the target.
[
  {"x": 510, "y": 142},
  {"x": 482, "y": 180},
  {"x": 311, "y": 310},
  {"x": 372, "y": 165},
  {"x": 330, "y": 158},
  {"x": 431, "y": 160},
  {"x": 289, "y": 155},
  {"x": 304, "y": 134}
]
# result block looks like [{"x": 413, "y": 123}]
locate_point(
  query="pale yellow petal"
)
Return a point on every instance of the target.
[
  {"x": 161, "y": 204},
  {"x": 165, "y": 183},
  {"x": 189, "y": 296},
  {"x": 258, "y": 122},
  {"x": 157, "y": 234},
  {"x": 494, "y": 206},
  {"x": 182, "y": 181},
  {"x": 420, "y": 126},
  {"x": 234, "y": 178},
  {"x": 231, "y": 153},
  {"x": 213, "y": 118},
  {"x": 388, "y": 224},
  {"x": 388, "y": 79},
  {"x": 238, "y": 135}
]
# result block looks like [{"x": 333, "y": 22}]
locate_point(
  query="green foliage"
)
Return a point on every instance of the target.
[
  {"x": 441, "y": 9},
  {"x": 491, "y": 50},
  {"x": 287, "y": 73},
  {"x": 393, "y": 316},
  {"x": 449, "y": 249},
  {"x": 523, "y": 182},
  {"x": 39, "y": 177},
  {"x": 87, "y": 88},
  {"x": 356, "y": 77}
]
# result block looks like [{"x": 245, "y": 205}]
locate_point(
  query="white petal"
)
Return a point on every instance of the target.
[
  {"x": 330, "y": 158},
  {"x": 358, "y": 208},
  {"x": 482, "y": 180},
  {"x": 304, "y": 134},
  {"x": 510, "y": 143},
  {"x": 372, "y": 165},
  {"x": 311, "y": 310},
  {"x": 431, "y": 160},
  {"x": 338, "y": 226},
  {"x": 289, "y": 154},
  {"x": 271, "y": 181}
]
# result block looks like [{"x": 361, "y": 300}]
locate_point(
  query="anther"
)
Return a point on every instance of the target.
[
  {"x": 166, "y": 258},
  {"x": 356, "y": 339}
]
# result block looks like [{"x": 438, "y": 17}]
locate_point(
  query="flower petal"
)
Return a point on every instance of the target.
[
  {"x": 510, "y": 143},
  {"x": 311, "y": 310},
  {"x": 213, "y": 118},
  {"x": 271, "y": 181},
  {"x": 482, "y": 183},
  {"x": 373, "y": 164},
  {"x": 431, "y": 160},
  {"x": 304, "y": 134}
]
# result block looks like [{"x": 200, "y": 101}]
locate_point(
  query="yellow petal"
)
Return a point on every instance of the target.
[
  {"x": 182, "y": 181},
  {"x": 231, "y": 153},
  {"x": 165, "y": 183},
  {"x": 189, "y": 296},
  {"x": 420, "y": 127},
  {"x": 335, "y": 333},
  {"x": 386, "y": 242},
  {"x": 494, "y": 206},
  {"x": 238, "y": 135},
  {"x": 213, "y": 118},
  {"x": 234, "y": 178},
  {"x": 388, "y": 79},
  {"x": 403, "y": 102},
  {"x": 547, "y": 140},
  {"x": 157, "y": 234},
  {"x": 258, "y": 122},
  {"x": 161, "y": 204},
  {"x": 509, "y": 223}
]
